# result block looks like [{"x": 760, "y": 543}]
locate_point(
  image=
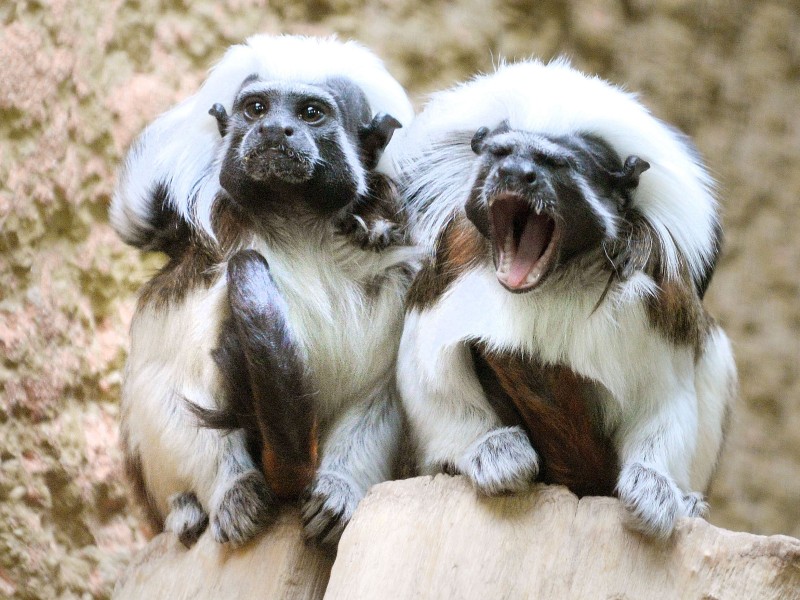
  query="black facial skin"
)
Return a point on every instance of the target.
[
  {"x": 287, "y": 145},
  {"x": 536, "y": 187}
]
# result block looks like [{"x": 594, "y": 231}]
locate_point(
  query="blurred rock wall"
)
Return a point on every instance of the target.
[{"x": 79, "y": 79}]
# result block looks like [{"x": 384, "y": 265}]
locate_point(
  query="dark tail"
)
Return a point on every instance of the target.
[{"x": 282, "y": 402}]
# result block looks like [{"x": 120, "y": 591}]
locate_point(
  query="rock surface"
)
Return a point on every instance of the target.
[
  {"x": 431, "y": 538},
  {"x": 80, "y": 79}
]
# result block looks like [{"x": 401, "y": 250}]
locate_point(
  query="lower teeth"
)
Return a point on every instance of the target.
[{"x": 507, "y": 247}]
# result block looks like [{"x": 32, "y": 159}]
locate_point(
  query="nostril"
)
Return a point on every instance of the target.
[
  {"x": 517, "y": 172},
  {"x": 288, "y": 131}
]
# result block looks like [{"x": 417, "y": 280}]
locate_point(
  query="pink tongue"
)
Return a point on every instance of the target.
[{"x": 530, "y": 248}]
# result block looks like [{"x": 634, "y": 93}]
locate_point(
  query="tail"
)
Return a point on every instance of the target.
[{"x": 282, "y": 401}]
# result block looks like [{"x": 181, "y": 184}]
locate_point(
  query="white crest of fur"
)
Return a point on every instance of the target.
[
  {"x": 181, "y": 147},
  {"x": 434, "y": 155}
]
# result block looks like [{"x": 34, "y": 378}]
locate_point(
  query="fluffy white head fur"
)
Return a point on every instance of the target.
[
  {"x": 434, "y": 155},
  {"x": 180, "y": 148}
]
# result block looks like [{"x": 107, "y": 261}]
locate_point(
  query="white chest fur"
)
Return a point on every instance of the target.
[
  {"x": 613, "y": 345},
  {"x": 346, "y": 309}
]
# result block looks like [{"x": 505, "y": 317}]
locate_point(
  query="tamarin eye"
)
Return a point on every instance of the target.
[
  {"x": 500, "y": 151},
  {"x": 254, "y": 109},
  {"x": 551, "y": 160},
  {"x": 312, "y": 113}
]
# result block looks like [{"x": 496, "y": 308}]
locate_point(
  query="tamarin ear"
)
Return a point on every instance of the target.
[
  {"x": 480, "y": 136},
  {"x": 627, "y": 179},
  {"x": 629, "y": 176},
  {"x": 504, "y": 127},
  {"x": 221, "y": 115},
  {"x": 477, "y": 140},
  {"x": 374, "y": 138}
]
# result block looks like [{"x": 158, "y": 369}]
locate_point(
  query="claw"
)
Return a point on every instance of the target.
[{"x": 331, "y": 503}]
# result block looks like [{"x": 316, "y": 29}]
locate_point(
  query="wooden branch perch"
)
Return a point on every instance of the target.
[{"x": 436, "y": 538}]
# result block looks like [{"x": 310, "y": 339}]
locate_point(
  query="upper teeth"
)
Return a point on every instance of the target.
[{"x": 533, "y": 276}]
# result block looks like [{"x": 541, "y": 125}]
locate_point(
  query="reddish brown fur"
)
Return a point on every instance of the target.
[
  {"x": 557, "y": 407},
  {"x": 678, "y": 313},
  {"x": 459, "y": 247},
  {"x": 676, "y": 310},
  {"x": 289, "y": 480}
]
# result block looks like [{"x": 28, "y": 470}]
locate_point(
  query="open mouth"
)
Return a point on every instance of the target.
[{"x": 524, "y": 242}]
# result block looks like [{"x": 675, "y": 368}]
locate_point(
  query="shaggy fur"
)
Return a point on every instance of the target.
[
  {"x": 339, "y": 302},
  {"x": 610, "y": 350}
]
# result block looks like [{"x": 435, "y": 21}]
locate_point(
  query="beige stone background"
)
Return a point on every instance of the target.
[{"x": 79, "y": 79}]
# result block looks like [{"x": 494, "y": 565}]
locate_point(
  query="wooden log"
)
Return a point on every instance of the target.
[
  {"x": 279, "y": 565},
  {"x": 435, "y": 538}
]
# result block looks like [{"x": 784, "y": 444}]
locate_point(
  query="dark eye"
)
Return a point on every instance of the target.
[
  {"x": 312, "y": 113},
  {"x": 551, "y": 160},
  {"x": 255, "y": 109}
]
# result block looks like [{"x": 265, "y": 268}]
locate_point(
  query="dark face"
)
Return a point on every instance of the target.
[
  {"x": 544, "y": 201},
  {"x": 293, "y": 142}
]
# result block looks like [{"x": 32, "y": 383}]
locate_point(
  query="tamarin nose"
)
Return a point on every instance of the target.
[
  {"x": 276, "y": 133},
  {"x": 520, "y": 172}
]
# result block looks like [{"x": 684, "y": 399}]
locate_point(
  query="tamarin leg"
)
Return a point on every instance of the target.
[{"x": 358, "y": 451}]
